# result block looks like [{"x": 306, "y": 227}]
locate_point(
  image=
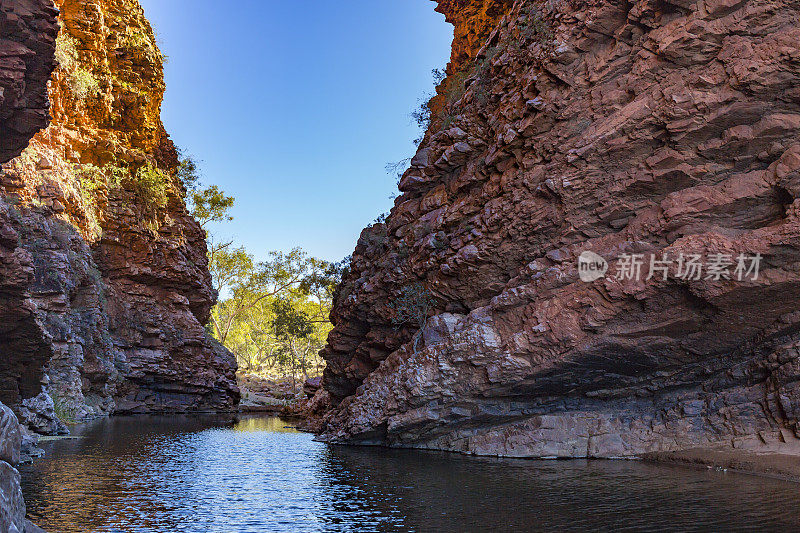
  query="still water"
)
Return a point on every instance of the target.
[{"x": 255, "y": 475}]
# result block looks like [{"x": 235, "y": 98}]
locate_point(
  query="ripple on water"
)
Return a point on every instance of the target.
[{"x": 192, "y": 474}]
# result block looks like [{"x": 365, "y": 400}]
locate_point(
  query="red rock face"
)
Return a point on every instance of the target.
[
  {"x": 27, "y": 44},
  {"x": 158, "y": 297},
  {"x": 22, "y": 338},
  {"x": 102, "y": 296},
  {"x": 641, "y": 127}
]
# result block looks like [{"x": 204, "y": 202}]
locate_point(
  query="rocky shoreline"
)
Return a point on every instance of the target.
[
  {"x": 781, "y": 461},
  {"x": 280, "y": 397},
  {"x": 12, "y": 504}
]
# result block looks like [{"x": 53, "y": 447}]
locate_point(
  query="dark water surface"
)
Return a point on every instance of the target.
[{"x": 181, "y": 474}]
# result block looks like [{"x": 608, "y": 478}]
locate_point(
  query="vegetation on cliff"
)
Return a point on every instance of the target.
[{"x": 119, "y": 288}]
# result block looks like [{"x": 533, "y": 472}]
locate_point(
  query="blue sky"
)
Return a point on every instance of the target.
[{"x": 295, "y": 107}]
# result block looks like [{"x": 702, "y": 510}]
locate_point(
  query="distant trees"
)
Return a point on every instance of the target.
[
  {"x": 245, "y": 283},
  {"x": 272, "y": 314}
]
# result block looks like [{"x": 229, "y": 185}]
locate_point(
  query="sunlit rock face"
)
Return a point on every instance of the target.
[
  {"x": 115, "y": 291},
  {"x": 643, "y": 127}
]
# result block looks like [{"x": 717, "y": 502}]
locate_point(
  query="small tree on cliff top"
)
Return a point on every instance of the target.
[{"x": 411, "y": 307}]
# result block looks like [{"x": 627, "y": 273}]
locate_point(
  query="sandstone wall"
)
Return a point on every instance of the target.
[{"x": 645, "y": 127}]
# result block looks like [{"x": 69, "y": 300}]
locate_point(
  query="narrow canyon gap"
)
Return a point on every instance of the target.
[{"x": 640, "y": 127}]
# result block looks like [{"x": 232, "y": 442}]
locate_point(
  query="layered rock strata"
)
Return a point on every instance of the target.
[
  {"x": 102, "y": 297},
  {"x": 27, "y": 44},
  {"x": 662, "y": 129},
  {"x": 107, "y": 274}
]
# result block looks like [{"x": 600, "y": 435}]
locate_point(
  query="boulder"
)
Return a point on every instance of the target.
[
  {"x": 12, "y": 505},
  {"x": 10, "y": 436}
]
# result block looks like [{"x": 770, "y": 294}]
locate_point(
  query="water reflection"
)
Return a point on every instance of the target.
[
  {"x": 257, "y": 475},
  {"x": 255, "y": 424}
]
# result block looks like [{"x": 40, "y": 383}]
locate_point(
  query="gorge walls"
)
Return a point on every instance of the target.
[
  {"x": 104, "y": 274},
  {"x": 648, "y": 129}
]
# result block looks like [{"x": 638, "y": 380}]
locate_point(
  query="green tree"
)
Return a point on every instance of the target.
[
  {"x": 211, "y": 205},
  {"x": 294, "y": 327},
  {"x": 188, "y": 172}
]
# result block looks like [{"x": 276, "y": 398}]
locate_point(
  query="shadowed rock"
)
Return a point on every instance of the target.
[{"x": 27, "y": 46}]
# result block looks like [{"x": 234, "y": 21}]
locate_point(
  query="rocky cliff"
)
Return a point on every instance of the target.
[
  {"x": 652, "y": 133},
  {"x": 27, "y": 46},
  {"x": 105, "y": 278}
]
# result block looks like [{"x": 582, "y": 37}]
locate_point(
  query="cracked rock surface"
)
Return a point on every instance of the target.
[
  {"x": 103, "y": 297},
  {"x": 643, "y": 127}
]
